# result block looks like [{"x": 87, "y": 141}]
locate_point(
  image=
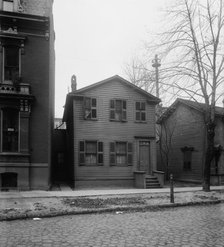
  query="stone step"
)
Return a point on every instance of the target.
[{"x": 151, "y": 182}]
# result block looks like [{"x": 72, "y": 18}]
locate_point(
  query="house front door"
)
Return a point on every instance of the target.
[{"x": 144, "y": 156}]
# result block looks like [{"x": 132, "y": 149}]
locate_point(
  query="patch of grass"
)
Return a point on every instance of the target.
[{"x": 101, "y": 203}]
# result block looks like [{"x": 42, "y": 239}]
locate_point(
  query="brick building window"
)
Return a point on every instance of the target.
[
  {"x": 120, "y": 153},
  {"x": 90, "y": 153},
  {"x": 90, "y": 108},
  {"x": 118, "y": 110},
  {"x": 11, "y": 63},
  {"x": 10, "y": 130},
  {"x": 187, "y": 157},
  {"x": 140, "y": 111}
]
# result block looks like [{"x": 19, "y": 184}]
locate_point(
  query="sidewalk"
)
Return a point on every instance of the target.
[
  {"x": 32, "y": 204},
  {"x": 96, "y": 192}
]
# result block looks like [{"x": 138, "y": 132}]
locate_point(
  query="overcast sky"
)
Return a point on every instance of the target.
[{"x": 96, "y": 38}]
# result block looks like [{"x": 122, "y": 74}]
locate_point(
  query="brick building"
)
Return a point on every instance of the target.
[{"x": 26, "y": 93}]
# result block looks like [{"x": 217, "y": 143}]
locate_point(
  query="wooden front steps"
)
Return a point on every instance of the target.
[{"x": 151, "y": 182}]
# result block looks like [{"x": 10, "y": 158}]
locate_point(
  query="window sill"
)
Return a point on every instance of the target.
[
  {"x": 91, "y": 119},
  {"x": 118, "y": 121},
  {"x": 13, "y": 154},
  {"x": 124, "y": 165},
  {"x": 141, "y": 122},
  {"x": 95, "y": 165}
]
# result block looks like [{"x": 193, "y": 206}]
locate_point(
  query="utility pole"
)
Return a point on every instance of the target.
[{"x": 156, "y": 64}]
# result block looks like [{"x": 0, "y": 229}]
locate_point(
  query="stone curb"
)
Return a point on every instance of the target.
[{"x": 118, "y": 210}]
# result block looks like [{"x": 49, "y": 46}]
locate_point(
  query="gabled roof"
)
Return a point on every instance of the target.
[
  {"x": 80, "y": 92},
  {"x": 120, "y": 79},
  {"x": 201, "y": 107}
]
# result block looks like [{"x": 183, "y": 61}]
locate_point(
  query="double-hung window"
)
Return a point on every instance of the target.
[
  {"x": 120, "y": 153},
  {"x": 90, "y": 108},
  {"x": 90, "y": 153},
  {"x": 11, "y": 63},
  {"x": 10, "y": 130},
  {"x": 118, "y": 110},
  {"x": 140, "y": 111}
]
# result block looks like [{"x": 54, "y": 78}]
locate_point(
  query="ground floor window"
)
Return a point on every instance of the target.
[
  {"x": 187, "y": 157},
  {"x": 90, "y": 153},
  {"x": 120, "y": 153},
  {"x": 10, "y": 130}
]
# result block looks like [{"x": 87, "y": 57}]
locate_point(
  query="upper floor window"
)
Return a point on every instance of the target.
[
  {"x": 90, "y": 108},
  {"x": 7, "y": 5},
  {"x": 118, "y": 110},
  {"x": 11, "y": 63},
  {"x": 140, "y": 111},
  {"x": 10, "y": 130},
  {"x": 90, "y": 153},
  {"x": 120, "y": 153}
]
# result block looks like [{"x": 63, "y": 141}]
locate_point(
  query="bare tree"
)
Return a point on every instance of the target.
[
  {"x": 192, "y": 53},
  {"x": 194, "y": 50},
  {"x": 139, "y": 74},
  {"x": 166, "y": 133}
]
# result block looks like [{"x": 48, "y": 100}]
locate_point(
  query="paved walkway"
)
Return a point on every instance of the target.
[{"x": 96, "y": 192}]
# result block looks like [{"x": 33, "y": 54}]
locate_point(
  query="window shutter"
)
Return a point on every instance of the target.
[
  {"x": 129, "y": 153},
  {"x": 81, "y": 153},
  {"x": 112, "y": 154},
  {"x": 112, "y": 109},
  {"x": 94, "y": 108},
  {"x": 124, "y": 110},
  {"x": 100, "y": 153}
]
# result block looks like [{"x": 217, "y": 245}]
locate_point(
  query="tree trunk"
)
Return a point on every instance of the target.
[{"x": 209, "y": 155}]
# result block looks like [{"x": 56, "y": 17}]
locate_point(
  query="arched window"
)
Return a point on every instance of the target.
[{"x": 10, "y": 130}]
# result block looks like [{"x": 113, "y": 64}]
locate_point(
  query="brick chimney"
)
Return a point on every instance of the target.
[{"x": 73, "y": 83}]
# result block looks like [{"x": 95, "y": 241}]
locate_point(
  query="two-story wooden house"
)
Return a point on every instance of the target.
[{"x": 110, "y": 132}]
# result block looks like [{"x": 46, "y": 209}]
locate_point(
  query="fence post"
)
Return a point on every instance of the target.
[{"x": 171, "y": 189}]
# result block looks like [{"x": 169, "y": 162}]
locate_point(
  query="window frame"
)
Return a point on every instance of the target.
[
  {"x": 140, "y": 111},
  {"x": 2, "y": 131},
  {"x": 114, "y": 110},
  {"x": 187, "y": 158},
  {"x": 91, "y": 109},
  {"x": 83, "y": 153},
  {"x": 18, "y": 67},
  {"x": 114, "y": 153}
]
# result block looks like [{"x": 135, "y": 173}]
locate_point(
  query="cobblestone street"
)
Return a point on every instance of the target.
[{"x": 184, "y": 226}]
